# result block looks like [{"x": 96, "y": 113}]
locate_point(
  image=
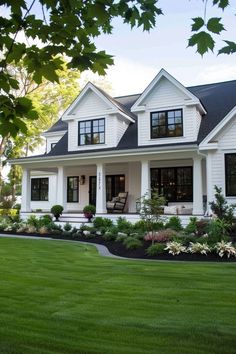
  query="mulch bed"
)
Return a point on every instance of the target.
[{"x": 119, "y": 249}]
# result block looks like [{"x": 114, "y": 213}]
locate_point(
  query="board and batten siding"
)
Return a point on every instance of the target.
[
  {"x": 226, "y": 144},
  {"x": 166, "y": 96}
]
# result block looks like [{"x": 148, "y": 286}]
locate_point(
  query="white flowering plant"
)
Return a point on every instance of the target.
[
  {"x": 202, "y": 248},
  {"x": 175, "y": 248},
  {"x": 225, "y": 249}
]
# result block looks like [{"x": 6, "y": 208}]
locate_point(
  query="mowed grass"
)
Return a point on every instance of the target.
[{"x": 58, "y": 297}]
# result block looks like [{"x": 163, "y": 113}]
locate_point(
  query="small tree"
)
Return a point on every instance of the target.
[
  {"x": 221, "y": 208},
  {"x": 151, "y": 209}
]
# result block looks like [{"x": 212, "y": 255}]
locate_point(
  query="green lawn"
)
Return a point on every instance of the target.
[{"x": 59, "y": 297}]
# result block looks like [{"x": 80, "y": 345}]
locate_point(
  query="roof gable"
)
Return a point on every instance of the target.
[
  {"x": 163, "y": 74},
  {"x": 109, "y": 104}
]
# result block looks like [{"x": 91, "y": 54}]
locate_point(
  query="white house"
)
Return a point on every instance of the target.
[{"x": 179, "y": 140}]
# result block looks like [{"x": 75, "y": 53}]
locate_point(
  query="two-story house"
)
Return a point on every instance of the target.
[{"x": 180, "y": 140}]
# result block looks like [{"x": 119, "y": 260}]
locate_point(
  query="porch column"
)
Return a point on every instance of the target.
[
  {"x": 101, "y": 189},
  {"x": 209, "y": 184},
  {"x": 61, "y": 187},
  {"x": 26, "y": 191},
  {"x": 145, "y": 178},
  {"x": 197, "y": 186}
]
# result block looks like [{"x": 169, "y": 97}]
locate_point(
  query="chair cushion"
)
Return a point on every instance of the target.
[
  {"x": 110, "y": 205},
  {"x": 122, "y": 195}
]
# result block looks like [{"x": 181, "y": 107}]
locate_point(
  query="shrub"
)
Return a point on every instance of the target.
[
  {"x": 174, "y": 223},
  {"x": 54, "y": 228},
  {"x": 217, "y": 230},
  {"x": 45, "y": 220},
  {"x": 57, "y": 210},
  {"x": 156, "y": 249},
  {"x": 202, "y": 248},
  {"x": 202, "y": 227},
  {"x": 225, "y": 249},
  {"x": 67, "y": 227},
  {"x": 221, "y": 208},
  {"x": 120, "y": 238},
  {"x": 100, "y": 222},
  {"x": 160, "y": 236},
  {"x": 124, "y": 225},
  {"x": 143, "y": 226},
  {"x": 66, "y": 233},
  {"x": 131, "y": 243},
  {"x": 175, "y": 248},
  {"x": 33, "y": 221},
  {"x": 185, "y": 239},
  {"x": 191, "y": 228},
  {"x": 109, "y": 236},
  {"x": 8, "y": 212}
]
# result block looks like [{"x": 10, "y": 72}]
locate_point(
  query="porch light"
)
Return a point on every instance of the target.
[{"x": 82, "y": 179}]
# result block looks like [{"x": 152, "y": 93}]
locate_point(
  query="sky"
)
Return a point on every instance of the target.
[{"x": 139, "y": 56}]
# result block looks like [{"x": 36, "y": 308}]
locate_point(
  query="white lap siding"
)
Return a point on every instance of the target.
[{"x": 226, "y": 144}]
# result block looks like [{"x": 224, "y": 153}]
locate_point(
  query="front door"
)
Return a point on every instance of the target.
[{"x": 115, "y": 184}]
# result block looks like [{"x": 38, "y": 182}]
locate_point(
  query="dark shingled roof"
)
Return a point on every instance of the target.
[
  {"x": 60, "y": 125},
  {"x": 218, "y": 99}
]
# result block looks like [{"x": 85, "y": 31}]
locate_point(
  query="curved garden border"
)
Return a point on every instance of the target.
[{"x": 114, "y": 250}]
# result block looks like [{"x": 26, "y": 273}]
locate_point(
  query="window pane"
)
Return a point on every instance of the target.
[
  {"x": 230, "y": 174},
  {"x": 72, "y": 189},
  {"x": 87, "y": 138},
  {"x": 102, "y": 138},
  {"x": 166, "y": 124}
]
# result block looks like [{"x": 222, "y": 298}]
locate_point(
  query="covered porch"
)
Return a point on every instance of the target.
[{"x": 179, "y": 176}]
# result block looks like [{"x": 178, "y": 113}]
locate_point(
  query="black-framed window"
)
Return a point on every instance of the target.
[
  {"x": 73, "y": 189},
  {"x": 92, "y": 132},
  {"x": 53, "y": 145},
  {"x": 39, "y": 189},
  {"x": 230, "y": 175},
  {"x": 166, "y": 124},
  {"x": 174, "y": 183}
]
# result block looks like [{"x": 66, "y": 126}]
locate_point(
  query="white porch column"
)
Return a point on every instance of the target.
[
  {"x": 26, "y": 191},
  {"x": 197, "y": 186},
  {"x": 209, "y": 184},
  {"x": 145, "y": 178},
  {"x": 61, "y": 187},
  {"x": 101, "y": 189}
]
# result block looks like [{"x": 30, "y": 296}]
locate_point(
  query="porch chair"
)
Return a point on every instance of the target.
[{"x": 117, "y": 204}]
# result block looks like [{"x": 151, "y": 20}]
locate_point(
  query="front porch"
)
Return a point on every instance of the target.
[{"x": 180, "y": 177}]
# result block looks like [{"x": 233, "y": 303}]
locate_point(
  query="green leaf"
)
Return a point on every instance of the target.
[
  {"x": 214, "y": 25},
  {"x": 198, "y": 23},
  {"x": 203, "y": 41},
  {"x": 221, "y": 3},
  {"x": 230, "y": 48}
]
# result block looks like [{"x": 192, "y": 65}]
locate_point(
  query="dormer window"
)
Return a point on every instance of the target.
[
  {"x": 92, "y": 132},
  {"x": 167, "y": 124}
]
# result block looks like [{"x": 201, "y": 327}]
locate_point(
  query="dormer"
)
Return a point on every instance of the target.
[
  {"x": 95, "y": 120},
  {"x": 54, "y": 134},
  {"x": 167, "y": 112}
]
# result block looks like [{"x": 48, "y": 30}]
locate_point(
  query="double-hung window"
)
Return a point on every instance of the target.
[
  {"x": 230, "y": 175},
  {"x": 92, "y": 132},
  {"x": 39, "y": 189},
  {"x": 166, "y": 124},
  {"x": 72, "y": 189}
]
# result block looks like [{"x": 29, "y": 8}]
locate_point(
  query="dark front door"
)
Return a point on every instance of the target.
[{"x": 115, "y": 184}]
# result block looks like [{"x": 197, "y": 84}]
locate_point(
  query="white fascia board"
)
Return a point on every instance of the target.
[
  {"x": 164, "y": 73},
  {"x": 218, "y": 128},
  {"x": 106, "y": 154},
  {"x": 51, "y": 134},
  {"x": 210, "y": 146}
]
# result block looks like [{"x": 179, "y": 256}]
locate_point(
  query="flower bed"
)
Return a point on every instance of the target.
[{"x": 134, "y": 241}]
